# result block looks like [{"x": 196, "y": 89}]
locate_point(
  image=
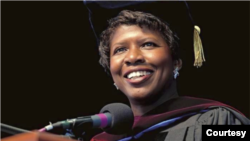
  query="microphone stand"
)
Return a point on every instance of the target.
[{"x": 12, "y": 130}]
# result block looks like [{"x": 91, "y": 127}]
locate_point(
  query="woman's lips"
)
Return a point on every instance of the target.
[{"x": 139, "y": 80}]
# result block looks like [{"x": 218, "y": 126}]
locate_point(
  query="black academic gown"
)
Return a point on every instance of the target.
[{"x": 189, "y": 115}]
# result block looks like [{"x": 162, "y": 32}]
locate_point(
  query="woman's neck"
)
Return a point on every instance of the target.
[{"x": 170, "y": 92}]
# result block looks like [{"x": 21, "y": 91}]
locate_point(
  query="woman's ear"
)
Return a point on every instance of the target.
[{"x": 178, "y": 64}]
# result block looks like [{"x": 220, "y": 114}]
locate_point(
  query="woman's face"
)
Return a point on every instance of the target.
[{"x": 140, "y": 62}]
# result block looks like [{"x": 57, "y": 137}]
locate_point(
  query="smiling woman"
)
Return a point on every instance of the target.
[
  {"x": 141, "y": 53},
  {"x": 144, "y": 67},
  {"x": 141, "y": 61},
  {"x": 50, "y": 61}
]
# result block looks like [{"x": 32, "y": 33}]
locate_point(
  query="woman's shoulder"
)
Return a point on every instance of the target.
[
  {"x": 191, "y": 128},
  {"x": 212, "y": 106},
  {"x": 223, "y": 115},
  {"x": 219, "y": 113},
  {"x": 184, "y": 105}
]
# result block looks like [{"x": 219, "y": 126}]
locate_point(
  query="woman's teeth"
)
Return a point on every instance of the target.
[{"x": 138, "y": 74}]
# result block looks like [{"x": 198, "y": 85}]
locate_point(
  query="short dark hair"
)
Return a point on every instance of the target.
[{"x": 127, "y": 17}]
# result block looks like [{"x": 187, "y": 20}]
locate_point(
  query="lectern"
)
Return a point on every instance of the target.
[{"x": 37, "y": 136}]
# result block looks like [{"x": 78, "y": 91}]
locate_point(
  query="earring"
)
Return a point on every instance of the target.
[
  {"x": 176, "y": 73},
  {"x": 116, "y": 86}
]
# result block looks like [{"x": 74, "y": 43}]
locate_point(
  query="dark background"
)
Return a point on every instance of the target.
[{"x": 50, "y": 69}]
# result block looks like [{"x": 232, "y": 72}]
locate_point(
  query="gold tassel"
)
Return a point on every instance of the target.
[{"x": 198, "y": 49}]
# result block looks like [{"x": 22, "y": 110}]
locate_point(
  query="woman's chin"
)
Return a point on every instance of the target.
[{"x": 139, "y": 97}]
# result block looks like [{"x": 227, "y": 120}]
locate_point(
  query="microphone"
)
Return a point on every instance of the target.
[{"x": 115, "y": 118}]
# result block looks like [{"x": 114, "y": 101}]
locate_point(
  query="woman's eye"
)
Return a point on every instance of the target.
[
  {"x": 149, "y": 44},
  {"x": 118, "y": 50}
]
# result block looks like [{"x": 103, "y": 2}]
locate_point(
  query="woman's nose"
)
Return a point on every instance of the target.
[{"x": 134, "y": 56}]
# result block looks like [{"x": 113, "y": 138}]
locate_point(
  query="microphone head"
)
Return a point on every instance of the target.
[{"x": 122, "y": 118}]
